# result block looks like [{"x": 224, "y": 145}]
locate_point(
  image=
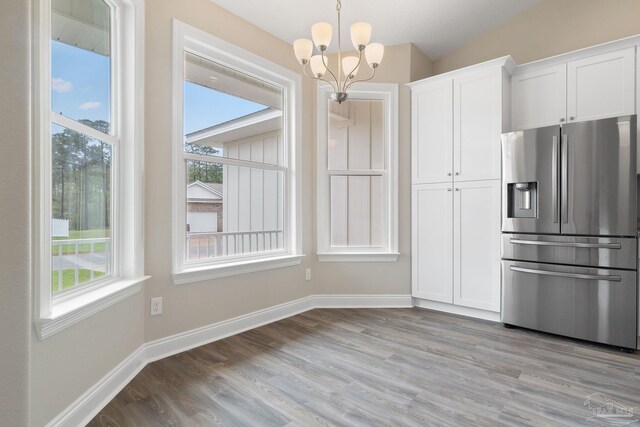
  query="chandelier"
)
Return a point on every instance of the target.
[{"x": 348, "y": 66}]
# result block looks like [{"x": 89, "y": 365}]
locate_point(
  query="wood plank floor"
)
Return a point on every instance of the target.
[{"x": 366, "y": 367}]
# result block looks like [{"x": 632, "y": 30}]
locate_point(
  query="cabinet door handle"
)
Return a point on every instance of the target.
[
  {"x": 457, "y": 189},
  {"x": 572, "y": 118},
  {"x": 449, "y": 174},
  {"x": 448, "y": 189},
  {"x": 457, "y": 173},
  {"x": 561, "y": 119}
]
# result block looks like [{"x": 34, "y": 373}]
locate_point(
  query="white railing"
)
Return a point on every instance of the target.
[
  {"x": 208, "y": 245},
  {"x": 93, "y": 255}
]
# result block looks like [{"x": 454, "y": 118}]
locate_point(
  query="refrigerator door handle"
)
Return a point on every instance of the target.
[
  {"x": 554, "y": 179},
  {"x": 564, "y": 191},
  {"x": 568, "y": 244},
  {"x": 567, "y": 275}
]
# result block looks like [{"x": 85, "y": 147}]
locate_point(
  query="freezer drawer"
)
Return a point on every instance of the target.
[
  {"x": 587, "y": 303},
  {"x": 608, "y": 252}
]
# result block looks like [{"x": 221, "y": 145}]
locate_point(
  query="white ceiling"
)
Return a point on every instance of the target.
[{"x": 436, "y": 27}]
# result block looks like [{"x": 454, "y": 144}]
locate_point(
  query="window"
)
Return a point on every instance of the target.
[
  {"x": 357, "y": 175},
  {"x": 87, "y": 155},
  {"x": 236, "y": 191}
]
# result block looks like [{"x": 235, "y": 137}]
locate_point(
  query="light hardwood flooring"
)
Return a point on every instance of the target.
[{"x": 379, "y": 367}]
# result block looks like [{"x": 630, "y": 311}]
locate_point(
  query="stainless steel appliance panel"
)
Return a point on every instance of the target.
[
  {"x": 587, "y": 303},
  {"x": 608, "y": 252},
  {"x": 599, "y": 183},
  {"x": 531, "y": 157}
]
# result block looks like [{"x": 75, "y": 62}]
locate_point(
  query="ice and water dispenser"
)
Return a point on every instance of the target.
[{"x": 522, "y": 200}]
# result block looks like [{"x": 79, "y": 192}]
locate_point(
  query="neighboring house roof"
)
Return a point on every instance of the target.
[
  {"x": 263, "y": 121},
  {"x": 205, "y": 191}
]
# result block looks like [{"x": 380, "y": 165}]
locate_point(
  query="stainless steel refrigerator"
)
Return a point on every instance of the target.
[{"x": 570, "y": 228}]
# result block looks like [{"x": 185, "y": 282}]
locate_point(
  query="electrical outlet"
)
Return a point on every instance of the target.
[
  {"x": 156, "y": 306},
  {"x": 308, "y": 274}
]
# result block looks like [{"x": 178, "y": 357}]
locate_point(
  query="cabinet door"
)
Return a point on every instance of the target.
[
  {"x": 476, "y": 271},
  {"x": 477, "y": 125},
  {"x": 432, "y": 138},
  {"x": 601, "y": 86},
  {"x": 539, "y": 97},
  {"x": 432, "y": 234}
]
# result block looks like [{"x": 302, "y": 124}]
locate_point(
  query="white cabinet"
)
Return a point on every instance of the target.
[
  {"x": 456, "y": 243},
  {"x": 432, "y": 128},
  {"x": 476, "y": 231},
  {"x": 432, "y": 259},
  {"x": 539, "y": 97},
  {"x": 585, "y": 87},
  {"x": 601, "y": 86},
  {"x": 477, "y": 118},
  {"x": 457, "y": 119}
]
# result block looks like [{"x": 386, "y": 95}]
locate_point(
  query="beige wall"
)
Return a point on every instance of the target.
[
  {"x": 549, "y": 28},
  {"x": 421, "y": 65},
  {"x": 198, "y": 304},
  {"x": 69, "y": 363},
  {"x": 15, "y": 287}
]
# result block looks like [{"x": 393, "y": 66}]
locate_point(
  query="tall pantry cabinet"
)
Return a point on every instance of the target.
[{"x": 457, "y": 119}]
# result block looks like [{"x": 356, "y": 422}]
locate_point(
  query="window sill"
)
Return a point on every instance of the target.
[
  {"x": 358, "y": 256},
  {"x": 234, "y": 268},
  {"x": 70, "y": 312}
]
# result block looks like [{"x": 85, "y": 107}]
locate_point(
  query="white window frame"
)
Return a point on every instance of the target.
[
  {"x": 51, "y": 315},
  {"x": 198, "y": 42},
  {"x": 388, "y": 93}
]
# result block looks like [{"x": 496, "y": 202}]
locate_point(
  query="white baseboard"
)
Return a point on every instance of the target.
[
  {"x": 456, "y": 309},
  {"x": 168, "y": 346},
  {"x": 93, "y": 400},
  {"x": 362, "y": 301},
  {"x": 87, "y": 406}
]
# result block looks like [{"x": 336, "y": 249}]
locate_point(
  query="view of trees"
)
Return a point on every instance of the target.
[
  {"x": 81, "y": 177},
  {"x": 203, "y": 171}
]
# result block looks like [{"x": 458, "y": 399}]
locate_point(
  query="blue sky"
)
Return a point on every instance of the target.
[
  {"x": 75, "y": 92},
  {"x": 81, "y": 94},
  {"x": 204, "y": 107}
]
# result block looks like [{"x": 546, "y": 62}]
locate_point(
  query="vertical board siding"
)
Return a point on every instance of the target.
[
  {"x": 356, "y": 141},
  {"x": 253, "y": 198}
]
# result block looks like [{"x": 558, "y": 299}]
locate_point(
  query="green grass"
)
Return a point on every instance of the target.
[
  {"x": 82, "y": 234},
  {"x": 68, "y": 278}
]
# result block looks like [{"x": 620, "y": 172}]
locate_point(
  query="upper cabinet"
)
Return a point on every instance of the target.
[
  {"x": 586, "y": 87},
  {"x": 457, "y": 119},
  {"x": 601, "y": 86},
  {"x": 539, "y": 97},
  {"x": 432, "y": 128}
]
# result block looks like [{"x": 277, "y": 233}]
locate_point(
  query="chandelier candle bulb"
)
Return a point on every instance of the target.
[
  {"x": 303, "y": 48},
  {"x": 360, "y": 35},
  {"x": 350, "y": 66},
  {"x": 321, "y": 35},
  {"x": 374, "y": 53},
  {"x": 317, "y": 66}
]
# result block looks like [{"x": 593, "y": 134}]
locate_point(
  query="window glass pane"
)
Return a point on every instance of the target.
[
  {"x": 81, "y": 61},
  {"x": 232, "y": 210},
  {"x": 231, "y": 114},
  {"x": 356, "y": 135},
  {"x": 356, "y": 211},
  {"x": 80, "y": 209}
]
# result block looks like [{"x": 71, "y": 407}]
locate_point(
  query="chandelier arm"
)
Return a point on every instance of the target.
[
  {"x": 345, "y": 86},
  {"x": 362, "y": 80},
  {"x": 338, "y": 8},
  {"x": 337, "y": 86},
  {"x": 311, "y": 76}
]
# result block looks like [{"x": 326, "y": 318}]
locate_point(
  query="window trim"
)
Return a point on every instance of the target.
[
  {"x": 201, "y": 43},
  {"x": 127, "y": 117},
  {"x": 368, "y": 91}
]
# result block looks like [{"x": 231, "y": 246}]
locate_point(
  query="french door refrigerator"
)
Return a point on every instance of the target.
[{"x": 570, "y": 229}]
